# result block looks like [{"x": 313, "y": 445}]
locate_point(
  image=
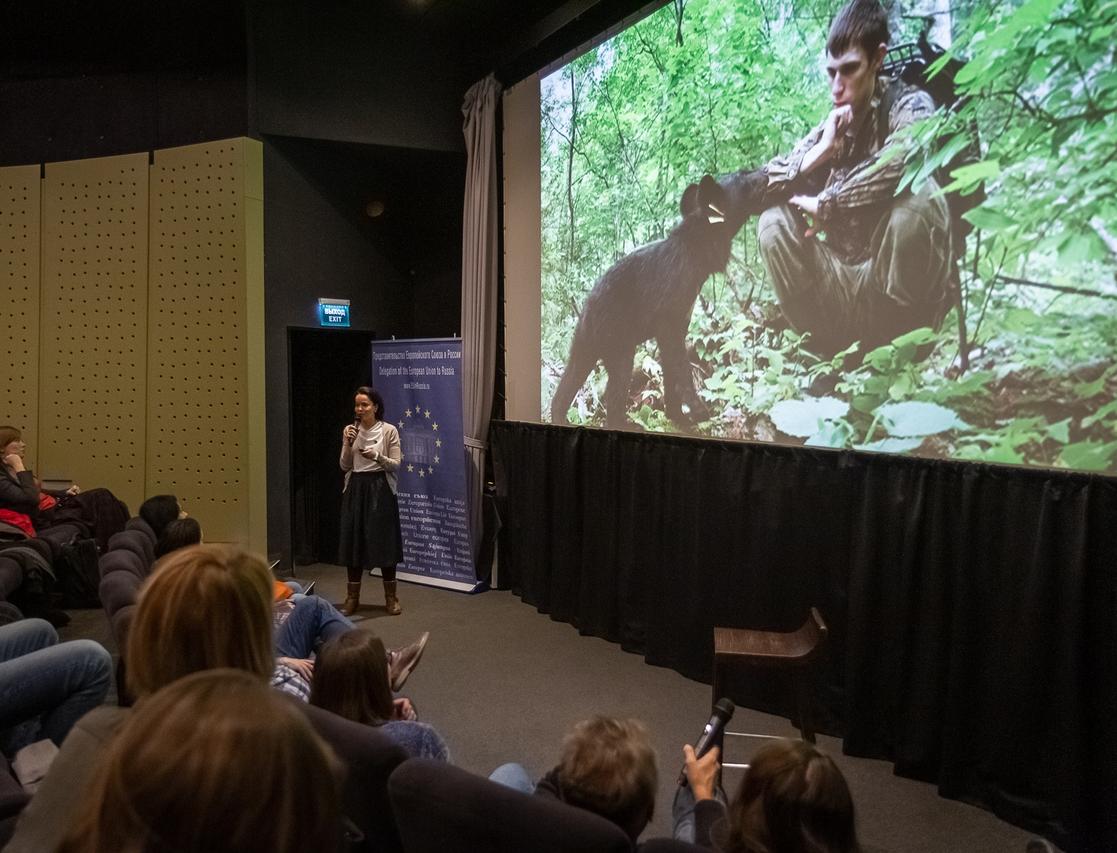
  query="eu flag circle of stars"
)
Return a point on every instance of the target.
[{"x": 420, "y": 412}]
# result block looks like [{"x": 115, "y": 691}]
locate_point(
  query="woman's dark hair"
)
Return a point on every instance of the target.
[
  {"x": 374, "y": 396},
  {"x": 351, "y": 678},
  {"x": 180, "y": 533},
  {"x": 792, "y": 797},
  {"x": 159, "y": 511}
]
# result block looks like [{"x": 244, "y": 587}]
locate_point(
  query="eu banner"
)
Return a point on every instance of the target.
[{"x": 422, "y": 388}]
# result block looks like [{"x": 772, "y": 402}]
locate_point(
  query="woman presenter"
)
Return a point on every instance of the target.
[{"x": 370, "y": 530}]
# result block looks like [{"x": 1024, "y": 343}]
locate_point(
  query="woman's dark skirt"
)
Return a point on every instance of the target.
[{"x": 370, "y": 532}]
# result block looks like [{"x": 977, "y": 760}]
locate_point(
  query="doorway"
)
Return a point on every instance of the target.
[{"x": 326, "y": 365}]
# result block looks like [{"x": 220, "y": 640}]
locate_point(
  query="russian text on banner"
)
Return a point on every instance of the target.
[{"x": 420, "y": 381}]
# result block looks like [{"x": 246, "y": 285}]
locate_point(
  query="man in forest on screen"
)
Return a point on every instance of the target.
[{"x": 883, "y": 266}]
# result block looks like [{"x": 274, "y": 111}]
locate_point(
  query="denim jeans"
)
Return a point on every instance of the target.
[
  {"x": 312, "y": 622},
  {"x": 682, "y": 812},
  {"x": 514, "y": 776},
  {"x": 42, "y": 678}
]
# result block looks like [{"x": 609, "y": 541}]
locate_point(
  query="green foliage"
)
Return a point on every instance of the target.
[{"x": 627, "y": 126}]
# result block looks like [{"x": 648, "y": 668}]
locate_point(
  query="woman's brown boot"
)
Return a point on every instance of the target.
[
  {"x": 391, "y": 603},
  {"x": 352, "y": 601}
]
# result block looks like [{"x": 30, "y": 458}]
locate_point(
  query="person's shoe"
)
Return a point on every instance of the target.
[
  {"x": 391, "y": 602},
  {"x": 352, "y": 601},
  {"x": 402, "y": 661}
]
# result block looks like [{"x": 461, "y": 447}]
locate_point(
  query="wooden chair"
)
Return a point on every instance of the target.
[{"x": 794, "y": 651}]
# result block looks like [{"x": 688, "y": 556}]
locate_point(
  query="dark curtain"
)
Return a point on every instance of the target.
[{"x": 972, "y": 608}]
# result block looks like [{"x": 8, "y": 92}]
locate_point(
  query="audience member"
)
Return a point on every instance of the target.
[
  {"x": 793, "y": 798},
  {"x": 44, "y": 681},
  {"x": 159, "y": 511},
  {"x": 179, "y": 533},
  {"x": 207, "y": 607},
  {"x": 607, "y": 767},
  {"x": 184, "y": 774},
  {"x": 24, "y": 503},
  {"x": 352, "y": 679},
  {"x": 301, "y": 625}
]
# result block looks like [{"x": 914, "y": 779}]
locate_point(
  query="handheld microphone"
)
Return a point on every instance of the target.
[{"x": 722, "y": 713}]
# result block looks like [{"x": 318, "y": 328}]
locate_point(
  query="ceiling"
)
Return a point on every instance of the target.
[{"x": 71, "y": 37}]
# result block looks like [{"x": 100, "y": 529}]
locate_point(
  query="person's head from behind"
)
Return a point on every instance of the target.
[
  {"x": 180, "y": 533},
  {"x": 214, "y": 762},
  {"x": 792, "y": 798},
  {"x": 351, "y": 678},
  {"x": 608, "y": 767},
  {"x": 855, "y": 50},
  {"x": 205, "y": 607},
  {"x": 159, "y": 511}
]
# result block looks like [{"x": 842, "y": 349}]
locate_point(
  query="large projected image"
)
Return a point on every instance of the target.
[{"x": 732, "y": 248}]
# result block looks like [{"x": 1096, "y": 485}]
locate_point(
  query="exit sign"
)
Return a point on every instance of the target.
[{"x": 333, "y": 312}]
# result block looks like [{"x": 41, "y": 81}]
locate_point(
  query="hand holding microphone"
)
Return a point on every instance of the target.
[
  {"x": 700, "y": 766},
  {"x": 350, "y": 432}
]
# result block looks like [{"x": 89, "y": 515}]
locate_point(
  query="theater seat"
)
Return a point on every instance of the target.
[
  {"x": 440, "y": 808},
  {"x": 138, "y": 524},
  {"x": 122, "y": 574},
  {"x": 138, "y": 543},
  {"x": 370, "y": 757}
]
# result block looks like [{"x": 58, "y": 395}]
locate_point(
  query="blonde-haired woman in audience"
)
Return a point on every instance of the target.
[
  {"x": 185, "y": 773},
  {"x": 206, "y": 607},
  {"x": 792, "y": 799},
  {"x": 352, "y": 679}
]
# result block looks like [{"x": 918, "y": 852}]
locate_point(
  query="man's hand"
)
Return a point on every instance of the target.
[
  {"x": 73, "y": 490},
  {"x": 702, "y": 773},
  {"x": 839, "y": 119},
  {"x": 832, "y": 129},
  {"x": 809, "y": 205},
  {"x": 15, "y": 462},
  {"x": 305, "y": 668}
]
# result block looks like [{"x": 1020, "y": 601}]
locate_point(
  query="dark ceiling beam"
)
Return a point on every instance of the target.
[{"x": 560, "y": 31}]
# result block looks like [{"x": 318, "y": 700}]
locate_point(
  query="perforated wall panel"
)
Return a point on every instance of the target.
[
  {"x": 19, "y": 287},
  {"x": 94, "y": 323},
  {"x": 199, "y": 402}
]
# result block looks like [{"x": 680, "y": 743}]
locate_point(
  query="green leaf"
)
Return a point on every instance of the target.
[
  {"x": 865, "y": 403},
  {"x": 831, "y": 434},
  {"x": 1081, "y": 246},
  {"x": 1059, "y": 431},
  {"x": 802, "y": 418},
  {"x": 915, "y": 418},
  {"x": 901, "y": 387},
  {"x": 916, "y": 337},
  {"x": 1089, "y": 455},
  {"x": 1100, "y": 415},
  {"x": 988, "y": 219},
  {"x": 1086, "y": 390},
  {"x": 969, "y": 176},
  {"x": 891, "y": 445}
]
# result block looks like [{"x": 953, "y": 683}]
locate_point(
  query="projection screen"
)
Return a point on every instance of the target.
[{"x": 944, "y": 285}]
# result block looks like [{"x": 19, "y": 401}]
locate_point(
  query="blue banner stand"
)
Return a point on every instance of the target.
[{"x": 420, "y": 381}]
